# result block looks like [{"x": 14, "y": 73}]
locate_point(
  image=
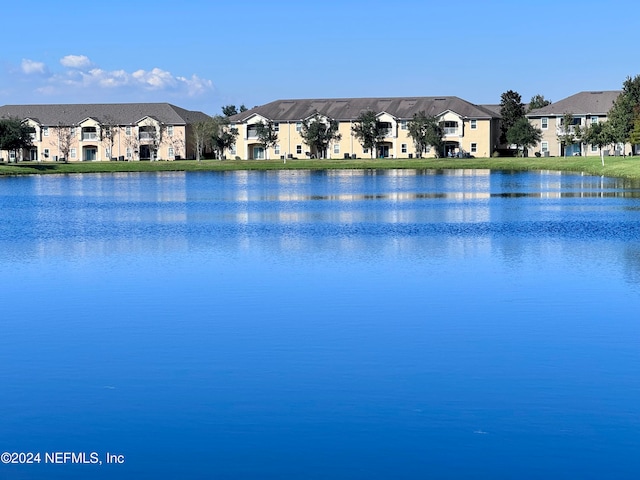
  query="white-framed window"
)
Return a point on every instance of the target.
[
  {"x": 365, "y": 150},
  {"x": 594, "y": 119},
  {"x": 298, "y": 126},
  {"x": 594, "y": 148},
  {"x": 170, "y": 152},
  {"x": 544, "y": 146},
  {"x": 127, "y": 131},
  {"x": 474, "y": 147},
  {"x": 403, "y": 148},
  {"x": 12, "y": 154},
  {"x": 233, "y": 150},
  {"x": 72, "y": 153},
  {"x": 544, "y": 123},
  {"x": 276, "y": 127},
  {"x": 427, "y": 149},
  {"x": 170, "y": 130},
  {"x": 46, "y": 153},
  {"x": 128, "y": 152},
  {"x": 473, "y": 124},
  {"x": 298, "y": 149},
  {"x": 403, "y": 125},
  {"x": 45, "y": 131},
  {"x": 336, "y": 147},
  {"x": 276, "y": 149},
  {"x": 107, "y": 153}
]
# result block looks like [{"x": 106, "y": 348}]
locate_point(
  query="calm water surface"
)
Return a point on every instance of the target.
[{"x": 343, "y": 325}]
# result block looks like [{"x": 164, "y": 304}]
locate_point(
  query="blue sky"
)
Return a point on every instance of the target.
[{"x": 205, "y": 54}]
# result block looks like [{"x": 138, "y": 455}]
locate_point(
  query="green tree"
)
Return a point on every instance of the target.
[
  {"x": 511, "y": 110},
  {"x": 229, "y": 110},
  {"x": 223, "y": 136},
  {"x": 267, "y": 135},
  {"x": 318, "y": 132},
  {"x": 538, "y": 101},
  {"x": 368, "y": 130},
  {"x": 600, "y": 134},
  {"x": 567, "y": 134},
  {"x": 14, "y": 135},
  {"x": 202, "y": 134},
  {"x": 523, "y": 134},
  {"x": 425, "y": 131},
  {"x": 623, "y": 113}
]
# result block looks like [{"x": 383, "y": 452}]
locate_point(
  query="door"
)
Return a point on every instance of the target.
[
  {"x": 258, "y": 153},
  {"x": 90, "y": 153}
]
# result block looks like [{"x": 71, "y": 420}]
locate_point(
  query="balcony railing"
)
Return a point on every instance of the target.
[
  {"x": 146, "y": 136},
  {"x": 450, "y": 130},
  {"x": 89, "y": 136}
]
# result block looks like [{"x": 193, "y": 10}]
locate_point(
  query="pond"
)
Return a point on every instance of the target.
[{"x": 341, "y": 324}]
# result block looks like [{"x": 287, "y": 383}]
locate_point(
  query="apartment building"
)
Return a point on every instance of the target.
[
  {"x": 469, "y": 129},
  {"x": 88, "y": 132}
]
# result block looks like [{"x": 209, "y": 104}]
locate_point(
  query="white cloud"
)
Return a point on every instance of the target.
[
  {"x": 75, "y": 61},
  {"x": 31, "y": 67},
  {"x": 80, "y": 74}
]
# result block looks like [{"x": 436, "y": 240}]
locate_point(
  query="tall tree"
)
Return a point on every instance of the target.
[
  {"x": 223, "y": 136},
  {"x": 538, "y": 101},
  {"x": 202, "y": 134},
  {"x": 368, "y": 130},
  {"x": 267, "y": 135},
  {"x": 523, "y": 134},
  {"x": 623, "y": 113},
  {"x": 600, "y": 134},
  {"x": 65, "y": 140},
  {"x": 511, "y": 110},
  {"x": 566, "y": 133},
  {"x": 108, "y": 134},
  {"x": 425, "y": 131},
  {"x": 318, "y": 133},
  {"x": 14, "y": 135}
]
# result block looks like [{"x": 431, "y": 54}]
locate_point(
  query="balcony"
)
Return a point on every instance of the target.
[
  {"x": 89, "y": 136},
  {"x": 146, "y": 136}
]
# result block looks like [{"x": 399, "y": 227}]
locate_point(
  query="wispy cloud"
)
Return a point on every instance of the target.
[
  {"x": 29, "y": 67},
  {"x": 75, "y": 61},
  {"x": 80, "y": 72}
]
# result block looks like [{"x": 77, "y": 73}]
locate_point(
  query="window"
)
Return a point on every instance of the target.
[
  {"x": 427, "y": 149},
  {"x": 128, "y": 152},
  {"x": 545, "y": 147},
  {"x": 170, "y": 152},
  {"x": 336, "y": 148},
  {"x": 276, "y": 127},
  {"x": 594, "y": 119},
  {"x": 403, "y": 148},
  {"x": 544, "y": 123},
  {"x": 474, "y": 148},
  {"x": 45, "y": 131},
  {"x": 46, "y": 153},
  {"x": 170, "y": 130},
  {"x": 12, "y": 155},
  {"x": 232, "y": 150},
  {"x": 594, "y": 148},
  {"x": 298, "y": 149},
  {"x": 107, "y": 153},
  {"x": 276, "y": 149},
  {"x": 450, "y": 128},
  {"x": 72, "y": 153},
  {"x": 474, "y": 124},
  {"x": 298, "y": 126},
  {"x": 127, "y": 131},
  {"x": 403, "y": 125},
  {"x": 365, "y": 150}
]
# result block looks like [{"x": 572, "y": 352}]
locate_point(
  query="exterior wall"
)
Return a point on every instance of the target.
[
  {"x": 482, "y": 139},
  {"x": 554, "y": 129},
  {"x": 46, "y": 143}
]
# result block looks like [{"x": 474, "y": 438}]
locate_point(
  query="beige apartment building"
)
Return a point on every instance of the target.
[
  {"x": 88, "y": 132},
  {"x": 586, "y": 108},
  {"x": 469, "y": 129}
]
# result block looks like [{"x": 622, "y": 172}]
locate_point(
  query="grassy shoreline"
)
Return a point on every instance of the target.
[{"x": 619, "y": 167}]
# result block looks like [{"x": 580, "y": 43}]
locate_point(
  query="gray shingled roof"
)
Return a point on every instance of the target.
[
  {"x": 112, "y": 113},
  {"x": 583, "y": 103},
  {"x": 345, "y": 109}
]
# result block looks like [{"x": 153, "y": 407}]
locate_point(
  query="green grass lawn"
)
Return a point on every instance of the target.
[{"x": 622, "y": 167}]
